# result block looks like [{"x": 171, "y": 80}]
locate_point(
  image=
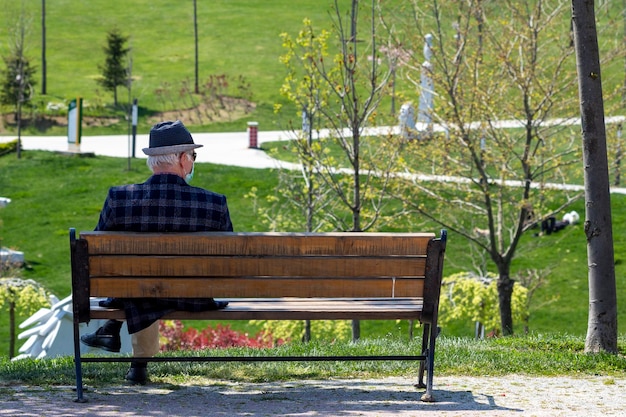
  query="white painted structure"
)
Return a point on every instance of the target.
[
  {"x": 11, "y": 257},
  {"x": 51, "y": 332}
]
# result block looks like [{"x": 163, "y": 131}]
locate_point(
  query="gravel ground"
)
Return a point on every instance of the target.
[{"x": 456, "y": 396}]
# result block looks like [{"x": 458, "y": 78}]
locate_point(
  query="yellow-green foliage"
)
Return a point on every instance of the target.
[
  {"x": 468, "y": 298},
  {"x": 320, "y": 329},
  {"x": 27, "y": 295},
  {"x": 8, "y": 147}
]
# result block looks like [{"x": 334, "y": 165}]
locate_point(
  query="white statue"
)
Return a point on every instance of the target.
[{"x": 425, "y": 108}]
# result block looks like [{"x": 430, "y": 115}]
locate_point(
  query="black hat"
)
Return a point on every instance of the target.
[{"x": 169, "y": 137}]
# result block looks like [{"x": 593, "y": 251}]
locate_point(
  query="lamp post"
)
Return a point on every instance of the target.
[
  {"x": 195, "y": 31},
  {"x": 618, "y": 155},
  {"x": 43, "y": 47},
  {"x": 19, "y": 79}
]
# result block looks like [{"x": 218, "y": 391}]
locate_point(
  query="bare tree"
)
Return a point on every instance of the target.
[
  {"x": 500, "y": 63},
  {"x": 602, "y": 323},
  {"x": 340, "y": 94},
  {"x": 343, "y": 92}
]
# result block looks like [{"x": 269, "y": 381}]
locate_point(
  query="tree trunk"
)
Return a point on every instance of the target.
[
  {"x": 356, "y": 208},
  {"x": 602, "y": 323},
  {"x": 505, "y": 293},
  {"x": 307, "y": 331},
  {"x": 356, "y": 330},
  {"x": 11, "y": 329},
  {"x": 18, "y": 120},
  {"x": 624, "y": 42}
]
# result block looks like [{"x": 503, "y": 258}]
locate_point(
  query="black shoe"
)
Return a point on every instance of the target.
[
  {"x": 219, "y": 304},
  {"x": 106, "y": 337},
  {"x": 112, "y": 303},
  {"x": 137, "y": 375}
]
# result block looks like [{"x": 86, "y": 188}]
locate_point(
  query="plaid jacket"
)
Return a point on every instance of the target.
[{"x": 164, "y": 203}]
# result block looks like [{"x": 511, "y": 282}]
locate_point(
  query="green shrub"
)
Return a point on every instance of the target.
[
  {"x": 295, "y": 329},
  {"x": 8, "y": 147},
  {"x": 468, "y": 298}
]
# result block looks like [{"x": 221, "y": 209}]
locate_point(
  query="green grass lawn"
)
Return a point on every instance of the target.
[
  {"x": 52, "y": 193},
  {"x": 236, "y": 38},
  {"x": 534, "y": 356}
]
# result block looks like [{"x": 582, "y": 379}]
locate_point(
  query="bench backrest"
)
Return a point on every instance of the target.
[{"x": 256, "y": 265}]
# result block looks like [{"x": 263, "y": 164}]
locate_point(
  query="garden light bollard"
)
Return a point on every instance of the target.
[{"x": 253, "y": 131}]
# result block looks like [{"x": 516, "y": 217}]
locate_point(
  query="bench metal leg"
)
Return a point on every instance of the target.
[
  {"x": 420, "y": 382},
  {"x": 430, "y": 363},
  {"x": 78, "y": 365}
]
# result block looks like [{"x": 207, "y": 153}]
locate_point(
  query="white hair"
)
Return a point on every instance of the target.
[{"x": 162, "y": 161}]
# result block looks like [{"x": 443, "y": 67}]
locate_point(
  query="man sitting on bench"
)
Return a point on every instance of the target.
[{"x": 164, "y": 203}]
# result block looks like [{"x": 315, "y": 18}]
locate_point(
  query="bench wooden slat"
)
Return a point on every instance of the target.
[
  {"x": 296, "y": 309},
  {"x": 187, "y": 266},
  {"x": 244, "y": 287},
  {"x": 259, "y": 244}
]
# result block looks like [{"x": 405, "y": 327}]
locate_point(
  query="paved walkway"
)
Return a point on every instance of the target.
[
  {"x": 512, "y": 395},
  {"x": 219, "y": 148},
  {"x": 232, "y": 148}
]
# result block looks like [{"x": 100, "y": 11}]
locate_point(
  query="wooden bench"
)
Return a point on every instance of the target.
[{"x": 265, "y": 276}]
